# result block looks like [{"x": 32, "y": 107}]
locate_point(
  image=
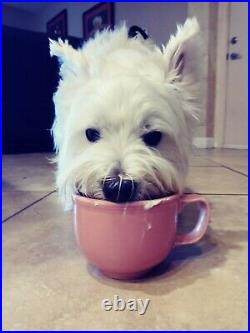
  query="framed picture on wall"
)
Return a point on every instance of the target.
[
  {"x": 57, "y": 26},
  {"x": 98, "y": 18}
]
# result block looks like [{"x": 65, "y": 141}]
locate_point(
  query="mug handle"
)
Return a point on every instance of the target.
[{"x": 201, "y": 226}]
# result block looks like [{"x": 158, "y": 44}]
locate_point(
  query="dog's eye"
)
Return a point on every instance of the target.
[
  {"x": 152, "y": 138},
  {"x": 92, "y": 134}
]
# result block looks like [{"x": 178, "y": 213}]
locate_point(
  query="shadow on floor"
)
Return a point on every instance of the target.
[{"x": 184, "y": 266}]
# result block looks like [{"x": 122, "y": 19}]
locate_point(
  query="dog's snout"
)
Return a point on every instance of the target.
[{"x": 119, "y": 190}]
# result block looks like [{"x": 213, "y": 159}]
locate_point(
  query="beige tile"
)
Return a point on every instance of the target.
[
  {"x": 27, "y": 172},
  {"x": 242, "y": 169},
  {"x": 199, "y": 157},
  {"x": 47, "y": 284},
  {"x": 216, "y": 180},
  {"x": 201, "y": 161},
  {"x": 229, "y": 157},
  {"x": 12, "y": 202}
]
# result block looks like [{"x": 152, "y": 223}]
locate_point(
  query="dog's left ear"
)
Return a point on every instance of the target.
[
  {"x": 72, "y": 61},
  {"x": 184, "y": 53}
]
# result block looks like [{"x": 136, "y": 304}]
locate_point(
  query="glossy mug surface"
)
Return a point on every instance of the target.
[{"x": 124, "y": 241}]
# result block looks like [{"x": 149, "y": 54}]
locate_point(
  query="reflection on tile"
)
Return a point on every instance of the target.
[
  {"x": 12, "y": 202},
  {"x": 27, "y": 172},
  {"x": 216, "y": 180},
  {"x": 47, "y": 284}
]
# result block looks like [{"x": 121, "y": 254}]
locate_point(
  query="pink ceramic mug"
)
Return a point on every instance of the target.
[{"x": 126, "y": 240}]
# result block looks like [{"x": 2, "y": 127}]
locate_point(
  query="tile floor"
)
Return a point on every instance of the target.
[{"x": 47, "y": 284}]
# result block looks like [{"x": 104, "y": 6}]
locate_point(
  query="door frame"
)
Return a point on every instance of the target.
[{"x": 221, "y": 73}]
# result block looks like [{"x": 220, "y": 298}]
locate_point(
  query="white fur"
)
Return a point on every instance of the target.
[{"x": 126, "y": 87}]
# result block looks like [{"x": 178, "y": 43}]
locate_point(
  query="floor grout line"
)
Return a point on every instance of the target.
[
  {"x": 227, "y": 167},
  {"x": 185, "y": 193},
  {"x": 219, "y": 165},
  {"x": 236, "y": 171},
  {"x": 28, "y": 206}
]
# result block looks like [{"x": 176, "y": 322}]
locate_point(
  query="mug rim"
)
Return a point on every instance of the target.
[{"x": 92, "y": 202}]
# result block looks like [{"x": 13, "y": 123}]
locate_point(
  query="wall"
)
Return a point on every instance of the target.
[
  {"x": 18, "y": 18},
  {"x": 158, "y": 18},
  {"x": 75, "y": 11},
  {"x": 206, "y": 14}
]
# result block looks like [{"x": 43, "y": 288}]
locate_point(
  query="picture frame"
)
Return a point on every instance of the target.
[
  {"x": 97, "y": 18},
  {"x": 57, "y": 27}
]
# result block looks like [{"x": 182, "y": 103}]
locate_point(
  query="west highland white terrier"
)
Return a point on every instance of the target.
[{"x": 125, "y": 113}]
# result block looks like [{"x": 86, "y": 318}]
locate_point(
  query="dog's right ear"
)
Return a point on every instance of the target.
[
  {"x": 184, "y": 53},
  {"x": 72, "y": 61}
]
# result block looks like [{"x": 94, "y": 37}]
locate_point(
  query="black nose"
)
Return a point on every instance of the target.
[{"x": 119, "y": 190}]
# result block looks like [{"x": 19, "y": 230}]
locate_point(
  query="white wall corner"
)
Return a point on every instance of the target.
[{"x": 203, "y": 142}]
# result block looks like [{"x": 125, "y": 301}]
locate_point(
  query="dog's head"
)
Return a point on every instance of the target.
[{"x": 125, "y": 111}]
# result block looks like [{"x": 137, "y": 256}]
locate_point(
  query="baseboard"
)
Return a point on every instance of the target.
[
  {"x": 203, "y": 142},
  {"x": 235, "y": 146}
]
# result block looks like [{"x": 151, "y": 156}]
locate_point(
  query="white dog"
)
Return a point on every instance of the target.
[{"x": 125, "y": 113}]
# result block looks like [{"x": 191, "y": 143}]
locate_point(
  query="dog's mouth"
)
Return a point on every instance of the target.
[{"x": 140, "y": 198}]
